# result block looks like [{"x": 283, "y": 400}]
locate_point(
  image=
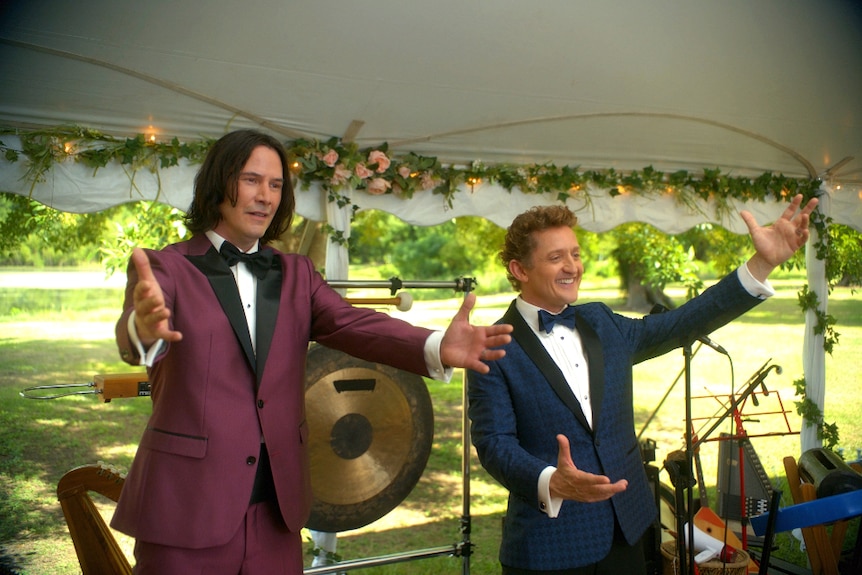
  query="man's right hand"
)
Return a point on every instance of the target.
[
  {"x": 569, "y": 482},
  {"x": 151, "y": 314}
]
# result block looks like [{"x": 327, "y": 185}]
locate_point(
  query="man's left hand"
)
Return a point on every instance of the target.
[{"x": 466, "y": 345}]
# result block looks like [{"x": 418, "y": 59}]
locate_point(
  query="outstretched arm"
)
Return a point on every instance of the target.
[
  {"x": 151, "y": 314},
  {"x": 777, "y": 243},
  {"x": 467, "y": 345}
]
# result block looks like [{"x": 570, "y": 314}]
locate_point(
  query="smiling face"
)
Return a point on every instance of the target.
[
  {"x": 552, "y": 276},
  {"x": 259, "y": 188}
]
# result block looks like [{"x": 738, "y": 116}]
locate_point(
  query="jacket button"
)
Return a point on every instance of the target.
[
  {"x": 250, "y": 460},
  {"x": 260, "y": 403}
]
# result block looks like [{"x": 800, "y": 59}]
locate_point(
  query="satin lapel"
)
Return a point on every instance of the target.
[
  {"x": 596, "y": 361},
  {"x": 268, "y": 299},
  {"x": 224, "y": 285},
  {"x": 534, "y": 349}
]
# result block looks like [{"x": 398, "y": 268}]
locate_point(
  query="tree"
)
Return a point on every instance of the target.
[{"x": 648, "y": 261}]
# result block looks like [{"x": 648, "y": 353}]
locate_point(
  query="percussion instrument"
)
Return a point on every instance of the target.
[{"x": 371, "y": 429}]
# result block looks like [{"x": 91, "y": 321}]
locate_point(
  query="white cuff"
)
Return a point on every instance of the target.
[
  {"x": 436, "y": 369},
  {"x": 754, "y": 287},
  {"x": 548, "y": 505},
  {"x": 149, "y": 356}
]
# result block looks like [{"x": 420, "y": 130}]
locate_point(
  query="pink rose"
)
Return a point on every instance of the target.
[
  {"x": 330, "y": 158},
  {"x": 404, "y": 171},
  {"x": 379, "y": 158},
  {"x": 362, "y": 172},
  {"x": 378, "y": 186},
  {"x": 340, "y": 175},
  {"x": 428, "y": 181}
]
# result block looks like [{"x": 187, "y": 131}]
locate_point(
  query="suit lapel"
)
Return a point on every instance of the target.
[
  {"x": 224, "y": 285},
  {"x": 596, "y": 361},
  {"x": 534, "y": 349},
  {"x": 268, "y": 299}
]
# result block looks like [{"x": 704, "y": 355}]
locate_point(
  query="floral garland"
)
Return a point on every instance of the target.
[{"x": 336, "y": 165}]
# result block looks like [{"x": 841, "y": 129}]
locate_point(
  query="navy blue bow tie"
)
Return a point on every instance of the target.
[
  {"x": 258, "y": 262},
  {"x": 565, "y": 317}
]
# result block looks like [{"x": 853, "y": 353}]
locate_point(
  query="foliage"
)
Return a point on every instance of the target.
[
  {"x": 828, "y": 432},
  {"x": 655, "y": 258},
  {"x": 57, "y": 236},
  {"x": 143, "y": 224},
  {"x": 337, "y": 165},
  {"x": 844, "y": 256}
]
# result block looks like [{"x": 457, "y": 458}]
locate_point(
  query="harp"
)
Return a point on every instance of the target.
[{"x": 97, "y": 549}]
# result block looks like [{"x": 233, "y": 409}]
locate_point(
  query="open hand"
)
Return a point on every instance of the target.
[
  {"x": 569, "y": 482},
  {"x": 466, "y": 345},
  {"x": 777, "y": 243},
  {"x": 151, "y": 314}
]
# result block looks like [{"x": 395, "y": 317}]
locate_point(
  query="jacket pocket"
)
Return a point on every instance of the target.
[{"x": 176, "y": 443}]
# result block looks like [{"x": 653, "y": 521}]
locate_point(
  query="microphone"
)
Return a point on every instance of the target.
[{"x": 658, "y": 308}]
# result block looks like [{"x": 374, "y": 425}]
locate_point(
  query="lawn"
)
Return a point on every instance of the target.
[{"x": 63, "y": 334}]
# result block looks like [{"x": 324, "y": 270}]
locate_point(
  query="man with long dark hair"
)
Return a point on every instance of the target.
[{"x": 220, "y": 482}]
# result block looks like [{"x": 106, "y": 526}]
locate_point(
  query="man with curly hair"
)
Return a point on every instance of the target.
[{"x": 553, "y": 420}]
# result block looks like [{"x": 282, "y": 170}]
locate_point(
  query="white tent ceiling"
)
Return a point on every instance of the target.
[{"x": 746, "y": 87}]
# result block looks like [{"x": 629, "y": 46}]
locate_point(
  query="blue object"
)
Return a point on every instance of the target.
[{"x": 817, "y": 512}]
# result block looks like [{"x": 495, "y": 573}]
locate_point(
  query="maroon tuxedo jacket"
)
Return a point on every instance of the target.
[{"x": 213, "y": 398}]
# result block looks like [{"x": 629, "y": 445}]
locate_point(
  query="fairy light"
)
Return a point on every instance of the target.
[{"x": 151, "y": 135}]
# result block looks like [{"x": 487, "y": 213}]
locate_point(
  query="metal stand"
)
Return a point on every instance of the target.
[{"x": 680, "y": 471}]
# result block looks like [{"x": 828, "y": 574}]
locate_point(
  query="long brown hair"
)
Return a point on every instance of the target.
[{"x": 218, "y": 178}]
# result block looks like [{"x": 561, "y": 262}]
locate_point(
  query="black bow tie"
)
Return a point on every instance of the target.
[
  {"x": 565, "y": 317},
  {"x": 258, "y": 262}
]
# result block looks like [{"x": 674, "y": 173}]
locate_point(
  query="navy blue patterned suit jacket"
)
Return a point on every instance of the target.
[{"x": 520, "y": 406}]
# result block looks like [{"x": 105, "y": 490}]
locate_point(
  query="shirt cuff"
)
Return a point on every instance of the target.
[
  {"x": 548, "y": 505},
  {"x": 148, "y": 357},
  {"x": 436, "y": 369},
  {"x": 754, "y": 287}
]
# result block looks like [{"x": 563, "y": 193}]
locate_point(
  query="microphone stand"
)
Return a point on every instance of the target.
[{"x": 681, "y": 478}]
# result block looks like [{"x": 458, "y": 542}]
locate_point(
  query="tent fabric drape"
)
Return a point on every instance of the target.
[{"x": 813, "y": 354}]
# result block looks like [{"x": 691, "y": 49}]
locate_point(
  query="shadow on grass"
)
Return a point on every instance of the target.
[
  {"x": 438, "y": 535},
  {"x": 40, "y": 440}
]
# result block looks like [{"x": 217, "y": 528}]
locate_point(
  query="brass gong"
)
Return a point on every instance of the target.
[{"x": 370, "y": 433}]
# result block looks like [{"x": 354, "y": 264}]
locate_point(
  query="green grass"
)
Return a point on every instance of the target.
[{"x": 65, "y": 336}]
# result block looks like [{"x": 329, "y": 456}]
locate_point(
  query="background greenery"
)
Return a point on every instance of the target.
[{"x": 59, "y": 333}]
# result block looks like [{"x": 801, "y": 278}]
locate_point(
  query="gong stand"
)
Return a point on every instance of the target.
[{"x": 462, "y": 548}]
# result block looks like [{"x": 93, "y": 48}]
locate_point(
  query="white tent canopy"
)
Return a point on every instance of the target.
[{"x": 743, "y": 87}]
